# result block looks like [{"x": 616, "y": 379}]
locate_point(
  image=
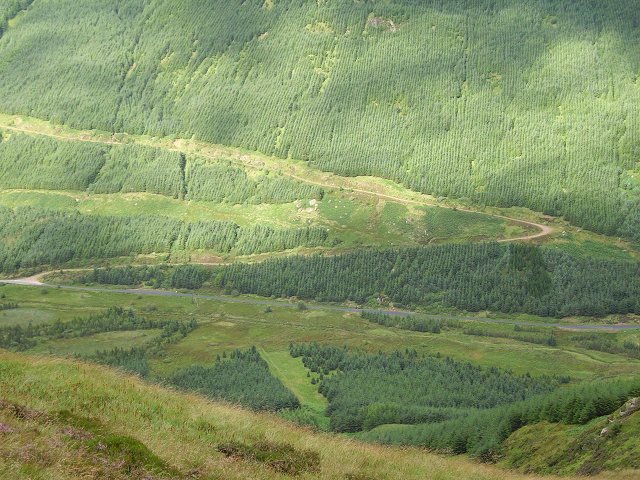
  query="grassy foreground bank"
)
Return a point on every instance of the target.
[{"x": 61, "y": 419}]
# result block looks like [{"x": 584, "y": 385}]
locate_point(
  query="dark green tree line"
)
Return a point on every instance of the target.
[
  {"x": 481, "y": 433},
  {"x": 367, "y": 390},
  {"x": 18, "y": 337},
  {"x": 40, "y": 162},
  {"x": 514, "y": 278},
  {"x": 242, "y": 378},
  {"x": 414, "y": 323},
  {"x": 32, "y": 237}
]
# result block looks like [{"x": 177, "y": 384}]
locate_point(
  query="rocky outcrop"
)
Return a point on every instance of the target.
[{"x": 627, "y": 409}]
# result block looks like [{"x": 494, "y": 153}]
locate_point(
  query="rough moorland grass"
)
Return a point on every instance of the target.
[
  {"x": 161, "y": 429},
  {"x": 568, "y": 449},
  {"x": 440, "y": 224},
  {"x": 293, "y": 374},
  {"x": 226, "y": 326},
  {"x": 80, "y": 446},
  {"x": 351, "y": 220},
  {"x": 93, "y": 343},
  {"x": 150, "y": 204},
  {"x": 185, "y": 432},
  {"x": 281, "y": 457}
]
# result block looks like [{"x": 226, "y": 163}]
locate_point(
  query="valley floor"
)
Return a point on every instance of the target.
[{"x": 37, "y": 281}]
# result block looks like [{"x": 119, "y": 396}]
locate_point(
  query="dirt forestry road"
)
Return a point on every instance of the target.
[{"x": 330, "y": 182}]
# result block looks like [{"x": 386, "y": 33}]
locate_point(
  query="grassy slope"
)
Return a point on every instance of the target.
[
  {"x": 183, "y": 430},
  {"x": 354, "y": 221},
  {"x": 556, "y": 448},
  {"x": 293, "y": 374}
]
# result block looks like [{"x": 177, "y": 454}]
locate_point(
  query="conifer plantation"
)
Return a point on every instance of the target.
[
  {"x": 503, "y": 102},
  {"x": 510, "y": 278},
  {"x": 332, "y": 239}
]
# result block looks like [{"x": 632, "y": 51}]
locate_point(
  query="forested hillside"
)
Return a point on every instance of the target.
[
  {"x": 33, "y": 237},
  {"x": 395, "y": 222},
  {"x": 372, "y": 390},
  {"x": 515, "y": 278},
  {"x": 504, "y": 102},
  {"x": 483, "y": 431},
  {"x": 45, "y": 163},
  {"x": 442, "y": 404}
]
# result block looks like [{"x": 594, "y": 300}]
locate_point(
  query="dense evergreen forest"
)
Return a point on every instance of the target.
[
  {"x": 409, "y": 399},
  {"x": 32, "y": 162},
  {"x": 506, "y": 102},
  {"x": 31, "y": 237},
  {"x": 157, "y": 276},
  {"x": 133, "y": 360},
  {"x": 482, "y": 432},
  {"x": 242, "y": 378},
  {"x": 513, "y": 278},
  {"x": 370, "y": 390}
]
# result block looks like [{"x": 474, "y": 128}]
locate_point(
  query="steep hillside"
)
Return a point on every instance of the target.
[
  {"x": 61, "y": 420},
  {"x": 504, "y": 102},
  {"x": 187, "y": 200},
  {"x": 404, "y": 233},
  {"x": 604, "y": 444}
]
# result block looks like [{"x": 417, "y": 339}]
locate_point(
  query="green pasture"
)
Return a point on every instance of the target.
[
  {"x": 94, "y": 343},
  {"x": 225, "y": 326}
]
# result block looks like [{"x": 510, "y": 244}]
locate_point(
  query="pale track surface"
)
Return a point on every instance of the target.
[
  {"x": 251, "y": 160},
  {"x": 545, "y": 230}
]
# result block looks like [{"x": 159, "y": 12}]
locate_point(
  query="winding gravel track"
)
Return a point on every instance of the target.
[{"x": 543, "y": 230}]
